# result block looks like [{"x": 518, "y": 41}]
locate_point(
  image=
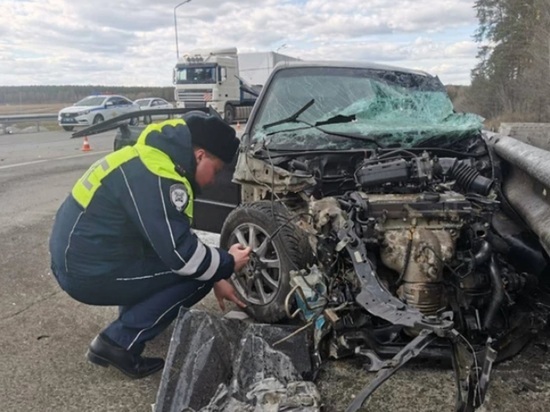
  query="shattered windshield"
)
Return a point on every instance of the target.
[{"x": 320, "y": 108}]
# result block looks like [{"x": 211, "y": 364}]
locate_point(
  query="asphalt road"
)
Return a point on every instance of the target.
[{"x": 45, "y": 333}]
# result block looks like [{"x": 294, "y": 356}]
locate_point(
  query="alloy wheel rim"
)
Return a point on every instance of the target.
[{"x": 259, "y": 281}]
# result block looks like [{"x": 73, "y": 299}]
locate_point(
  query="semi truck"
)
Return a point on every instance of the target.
[{"x": 223, "y": 79}]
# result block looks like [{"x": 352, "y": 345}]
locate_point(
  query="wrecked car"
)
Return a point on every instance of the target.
[
  {"x": 376, "y": 215},
  {"x": 377, "y": 218}
]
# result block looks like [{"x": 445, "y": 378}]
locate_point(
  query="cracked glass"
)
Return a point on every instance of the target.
[{"x": 334, "y": 108}]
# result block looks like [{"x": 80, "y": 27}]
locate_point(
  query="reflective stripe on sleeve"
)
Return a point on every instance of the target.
[
  {"x": 214, "y": 265},
  {"x": 193, "y": 264}
]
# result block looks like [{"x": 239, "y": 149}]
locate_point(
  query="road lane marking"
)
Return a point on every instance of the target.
[{"x": 52, "y": 159}]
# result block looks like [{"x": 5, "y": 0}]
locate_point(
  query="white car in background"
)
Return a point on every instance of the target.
[
  {"x": 96, "y": 109},
  {"x": 153, "y": 103}
]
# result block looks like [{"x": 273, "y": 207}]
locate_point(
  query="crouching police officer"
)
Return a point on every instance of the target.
[{"x": 123, "y": 237}]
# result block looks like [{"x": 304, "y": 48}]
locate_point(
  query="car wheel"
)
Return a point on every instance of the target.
[
  {"x": 126, "y": 136},
  {"x": 265, "y": 281},
  {"x": 119, "y": 144},
  {"x": 229, "y": 113},
  {"x": 147, "y": 119},
  {"x": 68, "y": 128},
  {"x": 134, "y": 121},
  {"x": 98, "y": 119}
]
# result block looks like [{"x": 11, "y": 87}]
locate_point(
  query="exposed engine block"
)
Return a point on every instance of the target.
[
  {"x": 415, "y": 234},
  {"x": 418, "y": 255}
]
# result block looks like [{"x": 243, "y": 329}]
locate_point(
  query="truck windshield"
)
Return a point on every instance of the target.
[
  {"x": 393, "y": 107},
  {"x": 190, "y": 75}
]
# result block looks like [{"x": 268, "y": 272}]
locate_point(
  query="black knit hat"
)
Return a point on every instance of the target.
[{"x": 213, "y": 135}]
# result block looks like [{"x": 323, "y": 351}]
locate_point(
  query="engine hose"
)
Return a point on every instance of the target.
[
  {"x": 498, "y": 293},
  {"x": 483, "y": 253},
  {"x": 470, "y": 179}
]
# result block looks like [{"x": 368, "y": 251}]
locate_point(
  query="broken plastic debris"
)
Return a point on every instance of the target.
[
  {"x": 221, "y": 364},
  {"x": 236, "y": 314}
]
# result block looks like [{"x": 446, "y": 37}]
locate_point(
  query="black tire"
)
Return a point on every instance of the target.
[
  {"x": 119, "y": 144},
  {"x": 264, "y": 283},
  {"x": 68, "y": 128},
  {"x": 147, "y": 119},
  {"x": 126, "y": 136},
  {"x": 229, "y": 113},
  {"x": 98, "y": 119}
]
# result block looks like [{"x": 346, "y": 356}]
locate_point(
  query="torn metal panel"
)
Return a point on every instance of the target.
[
  {"x": 258, "y": 172},
  {"x": 220, "y": 362}
]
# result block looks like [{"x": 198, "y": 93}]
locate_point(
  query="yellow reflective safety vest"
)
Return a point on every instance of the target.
[{"x": 134, "y": 203}]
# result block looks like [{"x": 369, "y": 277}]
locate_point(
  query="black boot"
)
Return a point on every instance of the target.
[{"x": 103, "y": 353}]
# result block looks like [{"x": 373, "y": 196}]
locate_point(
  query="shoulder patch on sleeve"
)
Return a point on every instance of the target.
[{"x": 179, "y": 196}]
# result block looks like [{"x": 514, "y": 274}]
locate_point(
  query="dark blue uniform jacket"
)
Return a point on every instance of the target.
[{"x": 130, "y": 216}]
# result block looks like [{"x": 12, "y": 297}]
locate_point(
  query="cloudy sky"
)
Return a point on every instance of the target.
[{"x": 133, "y": 42}]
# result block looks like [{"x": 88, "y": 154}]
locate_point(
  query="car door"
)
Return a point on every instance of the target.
[
  {"x": 112, "y": 108},
  {"x": 156, "y": 104},
  {"x": 126, "y": 105},
  {"x": 215, "y": 202},
  {"x": 163, "y": 104}
]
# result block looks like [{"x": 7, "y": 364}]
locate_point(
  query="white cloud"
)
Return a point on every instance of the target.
[{"x": 132, "y": 42}]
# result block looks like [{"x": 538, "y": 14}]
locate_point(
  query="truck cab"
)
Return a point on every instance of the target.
[{"x": 210, "y": 78}]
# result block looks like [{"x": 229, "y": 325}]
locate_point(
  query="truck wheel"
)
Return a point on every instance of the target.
[
  {"x": 264, "y": 283},
  {"x": 68, "y": 128},
  {"x": 229, "y": 113},
  {"x": 98, "y": 119}
]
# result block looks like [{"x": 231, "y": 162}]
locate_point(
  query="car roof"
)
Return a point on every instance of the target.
[
  {"x": 105, "y": 96},
  {"x": 348, "y": 64}
]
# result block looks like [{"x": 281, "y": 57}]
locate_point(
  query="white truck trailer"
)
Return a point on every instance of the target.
[{"x": 223, "y": 79}]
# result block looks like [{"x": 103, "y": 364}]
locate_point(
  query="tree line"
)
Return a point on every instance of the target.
[
  {"x": 70, "y": 94},
  {"x": 511, "y": 81}
]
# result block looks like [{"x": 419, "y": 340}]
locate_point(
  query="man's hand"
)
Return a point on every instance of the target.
[
  {"x": 241, "y": 255},
  {"x": 223, "y": 290}
]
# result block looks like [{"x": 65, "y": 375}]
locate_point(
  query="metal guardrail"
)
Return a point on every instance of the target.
[
  {"x": 117, "y": 121},
  {"x": 526, "y": 182},
  {"x": 7, "y": 120}
]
